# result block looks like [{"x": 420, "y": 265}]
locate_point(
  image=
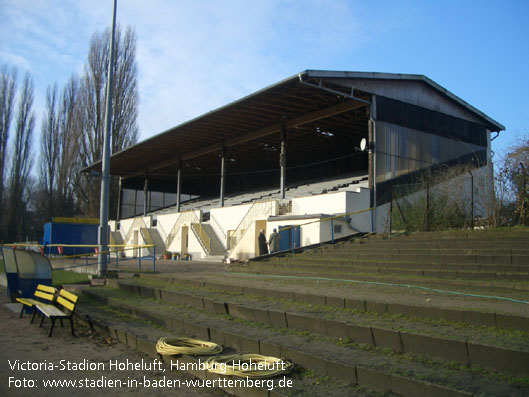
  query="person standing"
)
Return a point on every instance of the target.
[
  {"x": 273, "y": 241},
  {"x": 263, "y": 247}
]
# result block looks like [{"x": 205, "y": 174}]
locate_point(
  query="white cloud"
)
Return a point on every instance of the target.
[{"x": 192, "y": 56}]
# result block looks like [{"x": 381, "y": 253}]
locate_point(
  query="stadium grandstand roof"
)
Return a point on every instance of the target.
[{"x": 324, "y": 114}]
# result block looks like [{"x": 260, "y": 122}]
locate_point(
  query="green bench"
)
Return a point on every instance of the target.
[
  {"x": 64, "y": 308},
  {"x": 43, "y": 294}
]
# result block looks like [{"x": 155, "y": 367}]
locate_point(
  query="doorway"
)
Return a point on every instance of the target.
[
  {"x": 289, "y": 237},
  {"x": 261, "y": 224},
  {"x": 185, "y": 241}
]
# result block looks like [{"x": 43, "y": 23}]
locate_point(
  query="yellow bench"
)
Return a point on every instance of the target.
[
  {"x": 43, "y": 294},
  {"x": 64, "y": 309}
]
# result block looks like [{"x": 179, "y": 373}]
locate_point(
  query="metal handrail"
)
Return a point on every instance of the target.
[
  {"x": 134, "y": 225},
  {"x": 146, "y": 235},
  {"x": 202, "y": 236},
  {"x": 217, "y": 223},
  {"x": 184, "y": 217},
  {"x": 248, "y": 218}
]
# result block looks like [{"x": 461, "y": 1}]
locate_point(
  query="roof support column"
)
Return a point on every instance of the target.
[
  {"x": 178, "y": 187},
  {"x": 222, "y": 174},
  {"x": 370, "y": 168},
  {"x": 373, "y": 160},
  {"x": 146, "y": 196},
  {"x": 283, "y": 161},
  {"x": 120, "y": 199},
  {"x": 135, "y": 202}
]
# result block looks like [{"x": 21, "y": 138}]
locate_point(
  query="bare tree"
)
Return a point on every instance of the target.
[
  {"x": 92, "y": 108},
  {"x": 68, "y": 145},
  {"x": 7, "y": 98},
  {"x": 49, "y": 150},
  {"x": 516, "y": 166},
  {"x": 22, "y": 161}
]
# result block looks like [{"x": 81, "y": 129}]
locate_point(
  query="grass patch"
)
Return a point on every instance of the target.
[{"x": 60, "y": 277}]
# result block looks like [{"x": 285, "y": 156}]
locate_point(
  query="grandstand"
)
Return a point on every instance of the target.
[{"x": 292, "y": 154}]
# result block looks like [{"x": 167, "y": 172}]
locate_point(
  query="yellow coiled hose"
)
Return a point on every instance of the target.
[
  {"x": 248, "y": 365},
  {"x": 194, "y": 347}
]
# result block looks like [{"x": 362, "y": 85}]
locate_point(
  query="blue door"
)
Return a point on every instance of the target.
[{"x": 289, "y": 236}]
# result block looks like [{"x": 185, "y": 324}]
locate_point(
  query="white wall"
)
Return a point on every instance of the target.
[
  {"x": 326, "y": 233},
  {"x": 232, "y": 218},
  {"x": 168, "y": 221},
  {"x": 124, "y": 227},
  {"x": 337, "y": 203},
  {"x": 329, "y": 203},
  {"x": 228, "y": 218},
  {"x": 357, "y": 201},
  {"x": 246, "y": 247},
  {"x": 195, "y": 248},
  {"x": 165, "y": 224}
]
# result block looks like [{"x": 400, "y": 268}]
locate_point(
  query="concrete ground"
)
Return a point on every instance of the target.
[{"x": 29, "y": 359}]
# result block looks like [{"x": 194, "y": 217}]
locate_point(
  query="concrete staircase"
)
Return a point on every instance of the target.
[
  {"x": 115, "y": 239},
  {"x": 487, "y": 259},
  {"x": 157, "y": 241},
  {"x": 213, "y": 247},
  {"x": 151, "y": 236},
  {"x": 349, "y": 338}
]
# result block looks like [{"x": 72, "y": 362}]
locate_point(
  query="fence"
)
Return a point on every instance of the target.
[
  {"x": 432, "y": 205},
  {"x": 90, "y": 258}
]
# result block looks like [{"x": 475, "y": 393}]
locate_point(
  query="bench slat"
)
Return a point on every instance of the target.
[
  {"x": 44, "y": 295},
  {"x": 46, "y": 288},
  {"x": 69, "y": 295},
  {"x": 51, "y": 311},
  {"x": 66, "y": 300},
  {"x": 67, "y": 304},
  {"x": 28, "y": 301},
  {"x": 43, "y": 292}
]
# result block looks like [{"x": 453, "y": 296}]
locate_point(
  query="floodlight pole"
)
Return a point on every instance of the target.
[{"x": 105, "y": 175}]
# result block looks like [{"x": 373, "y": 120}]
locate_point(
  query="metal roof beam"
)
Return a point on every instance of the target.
[{"x": 275, "y": 128}]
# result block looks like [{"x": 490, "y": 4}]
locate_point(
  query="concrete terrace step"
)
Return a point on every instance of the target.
[
  {"x": 376, "y": 331},
  {"x": 427, "y": 260},
  {"x": 461, "y": 273},
  {"x": 346, "y": 363},
  {"x": 382, "y": 263},
  {"x": 139, "y": 334},
  {"x": 427, "y": 257},
  {"x": 419, "y": 266},
  {"x": 489, "y": 245},
  {"x": 332, "y": 298},
  {"x": 435, "y": 238},
  {"x": 429, "y": 281},
  {"x": 213, "y": 258},
  {"x": 419, "y": 249},
  {"x": 310, "y": 260},
  {"x": 499, "y": 233}
]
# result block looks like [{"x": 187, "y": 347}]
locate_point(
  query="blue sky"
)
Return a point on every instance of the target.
[{"x": 194, "y": 56}]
